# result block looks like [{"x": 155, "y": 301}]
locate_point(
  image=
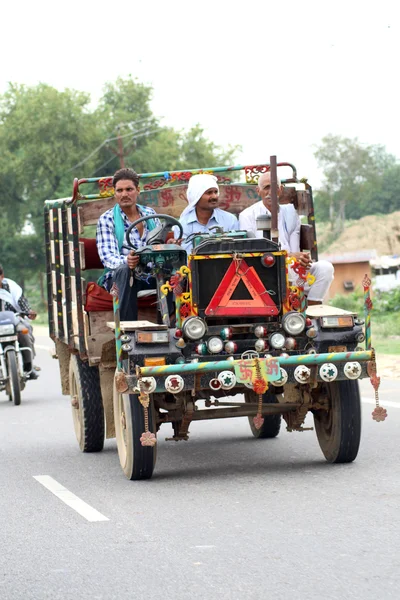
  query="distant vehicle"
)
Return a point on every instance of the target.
[
  {"x": 240, "y": 330},
  {"x": 12, "y": 376}
]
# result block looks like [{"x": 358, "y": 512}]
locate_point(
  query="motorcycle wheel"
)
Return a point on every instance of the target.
[{"x": 15, "y": 387}]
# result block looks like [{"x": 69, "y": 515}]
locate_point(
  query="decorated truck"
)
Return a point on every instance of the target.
[{"x": 240, "y": 341}]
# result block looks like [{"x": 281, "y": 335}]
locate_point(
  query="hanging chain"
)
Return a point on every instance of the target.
[
  {"x": 379, "y": 413},
  {"x": 147, "y": 438}
]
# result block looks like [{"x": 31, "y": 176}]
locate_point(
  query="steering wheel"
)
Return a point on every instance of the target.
[{"x": 167, "y": 218}]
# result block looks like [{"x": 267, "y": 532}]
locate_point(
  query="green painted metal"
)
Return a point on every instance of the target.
[{"x": 222, "y": 365}]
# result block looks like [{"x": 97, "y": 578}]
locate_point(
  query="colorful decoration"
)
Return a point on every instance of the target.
[
  {"x": 258, "y": 420},
  {"x": 148, "y": 439},
  {"x": 302, "y": 374},
  {"x": 149, "y": 384},
  {"x": 379, "y": 413},
  {"x": 366, "y": 282},
  {"x": 227, "y": 380},
  {"x": 282, "y": 379},
  {"x": 174, "y": 384},
  {"x": 352, "y": 370},
  {"x": 328, "y": 372}
]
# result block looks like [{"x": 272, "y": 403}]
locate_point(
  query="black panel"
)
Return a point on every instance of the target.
[{"x": 208, "y": 274}]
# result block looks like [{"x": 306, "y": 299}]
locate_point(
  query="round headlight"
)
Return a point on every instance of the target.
[
  {"x": 194, "y": 328},
  {"x": 215, "y": 345},
  {"x": 277, "y": 340},
  {"x": 260, "y": 331},
  {"x": 260, "y": 345},
  {"x": 294, "y": 323}
]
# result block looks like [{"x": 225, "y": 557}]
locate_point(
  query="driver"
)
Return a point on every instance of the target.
[
  {"x": 202, "y": 212},
  {"x": 18, "y": 303},
  {"x": 118, "y": 260}
]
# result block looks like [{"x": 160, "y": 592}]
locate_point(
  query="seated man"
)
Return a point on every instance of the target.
[
  {"x": 289, "y": 238},
  {"x": 18, "y": 303},
  {"x": 118, "y": 260},
  {"x": 202, "y": 212}
]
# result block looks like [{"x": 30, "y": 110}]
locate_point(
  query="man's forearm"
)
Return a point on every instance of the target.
[{"x": 112, "y": 261}]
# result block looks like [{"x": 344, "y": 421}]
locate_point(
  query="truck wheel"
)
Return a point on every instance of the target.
[
  {"x": 339, "y": 428},
  {"x": 12, "y": 367},
  {"x": 272, "y": 423},
  {"x": 137, "y": 461},
  {"x": 87, "y": 405}
]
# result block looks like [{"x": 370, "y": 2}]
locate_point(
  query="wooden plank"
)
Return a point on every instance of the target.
[{"x": 98, "y": 321}]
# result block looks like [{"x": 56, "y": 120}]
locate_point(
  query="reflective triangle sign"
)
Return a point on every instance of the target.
[{"x": 260, "y": 303}]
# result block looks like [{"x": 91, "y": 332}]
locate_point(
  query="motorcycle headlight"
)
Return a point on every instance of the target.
[
  {"x": 194, "y": 328},
  {"x": 277, "y": 340},
  {"x": 7, "y": 329},
  {"x": 294, "y": 323}
]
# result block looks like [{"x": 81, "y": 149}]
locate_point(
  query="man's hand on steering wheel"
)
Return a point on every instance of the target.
[
  {"x": 132, "y": 259},
  {"x": 167, "y": 218}
]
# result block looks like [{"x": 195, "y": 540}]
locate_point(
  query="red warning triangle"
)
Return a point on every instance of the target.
[{"x": 221, "y": 304}]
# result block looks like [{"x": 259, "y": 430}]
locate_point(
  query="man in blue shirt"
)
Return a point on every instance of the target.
[
  {"x": 202, "y": 212},
  {"x": 119, "y": 261}
]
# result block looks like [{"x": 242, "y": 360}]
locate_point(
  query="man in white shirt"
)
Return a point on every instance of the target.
[{"x": 289, "y": 238}]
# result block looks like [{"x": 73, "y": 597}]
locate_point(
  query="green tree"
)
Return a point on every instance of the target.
[
  {"x": 350, "y": 169},
  {"x": 48, "y": 137}
]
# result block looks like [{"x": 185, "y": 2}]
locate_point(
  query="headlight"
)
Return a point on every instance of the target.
[
  {"x": 194, "y": 328},
  {"x": 7, "y": 329},
  {"x": 215, "y": 345},
  {"x": 294, "y": 323},
  {"x": 277, "y": 340}
]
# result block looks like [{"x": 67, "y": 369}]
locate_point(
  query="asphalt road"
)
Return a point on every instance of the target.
[{"x": 224, "y": 517}]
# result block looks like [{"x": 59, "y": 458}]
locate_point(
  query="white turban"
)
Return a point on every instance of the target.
[{"x": 198, "y": 184}]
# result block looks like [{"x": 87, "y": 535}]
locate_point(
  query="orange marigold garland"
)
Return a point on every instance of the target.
[{"x": 260, "y": 386}]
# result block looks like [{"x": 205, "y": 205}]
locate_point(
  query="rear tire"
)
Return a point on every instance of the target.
[
  {"x": 15, "y": 387},
  {"x": 87, "y": 405},
  {"x": 272, "y": 423},
  {"x": 137, "y": 461},
  {"x": 339, "y": 428}
]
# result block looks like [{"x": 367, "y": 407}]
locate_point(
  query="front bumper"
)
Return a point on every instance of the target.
[{"x": 198, "y": 375}]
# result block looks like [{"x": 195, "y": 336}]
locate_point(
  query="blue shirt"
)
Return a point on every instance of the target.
[
  {"x": 107, "y": 244},
  {"x": 220, "y": 218}
]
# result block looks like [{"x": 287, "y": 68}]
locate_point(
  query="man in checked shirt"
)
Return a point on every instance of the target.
[{"x": 119, "y": 261}]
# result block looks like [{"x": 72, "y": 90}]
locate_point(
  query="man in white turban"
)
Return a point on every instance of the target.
[{"x": 202, "y": 212}]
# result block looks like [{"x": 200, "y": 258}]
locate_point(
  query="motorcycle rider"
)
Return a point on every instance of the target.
[{"x": 19, "y": 300}]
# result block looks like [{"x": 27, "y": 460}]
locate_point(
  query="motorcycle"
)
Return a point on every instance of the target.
[{"x": 12, "y": 375}]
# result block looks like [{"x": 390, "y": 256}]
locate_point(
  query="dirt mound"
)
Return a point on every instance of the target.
[{"x": 375, "y": 232}]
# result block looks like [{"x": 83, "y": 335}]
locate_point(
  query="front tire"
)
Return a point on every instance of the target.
[
  {"x": 137, "y": 461},
  {"x": 339, "y": 428},
  {"x": 87, "y": 405},
  {"x": 15, "y": 387},
  {"x": 272, "y": 423}
]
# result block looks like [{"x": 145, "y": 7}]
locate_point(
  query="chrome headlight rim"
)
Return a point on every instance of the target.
[
  {"x": 299, "y": 317},
  {"x": 212, "y": 342},
  {"x": 275, "y": 336},
  {"x": 190, "y": 322}
]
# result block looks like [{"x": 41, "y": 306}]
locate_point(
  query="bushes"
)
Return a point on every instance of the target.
[{"x": 383, "y": 302}]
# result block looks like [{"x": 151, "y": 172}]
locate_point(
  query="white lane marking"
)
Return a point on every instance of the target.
[
  {"x": 383, "y": 403},
  {"x": 85, "y": 510}
]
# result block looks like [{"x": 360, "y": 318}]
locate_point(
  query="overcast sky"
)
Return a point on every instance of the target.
[{"x": 274, "y": 77}]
